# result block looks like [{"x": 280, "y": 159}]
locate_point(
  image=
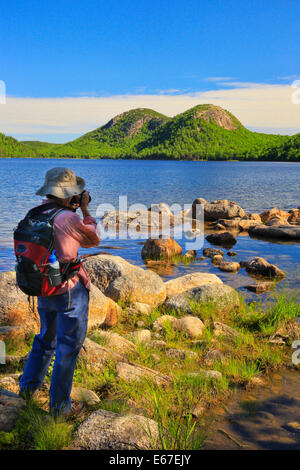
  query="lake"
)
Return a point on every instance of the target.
[{"x": 253, "y": 185}]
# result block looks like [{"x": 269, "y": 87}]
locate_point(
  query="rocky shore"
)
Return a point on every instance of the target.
[{"x": 185, "y": 343}]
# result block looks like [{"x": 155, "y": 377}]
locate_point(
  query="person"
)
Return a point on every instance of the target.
[{"x": 64, "y": 315}]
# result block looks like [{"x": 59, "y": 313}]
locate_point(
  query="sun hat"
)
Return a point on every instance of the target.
[{"x": 62, "y": 183}]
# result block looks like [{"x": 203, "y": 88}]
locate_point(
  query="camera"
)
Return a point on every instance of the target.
[{"x": 78, "y": 199}]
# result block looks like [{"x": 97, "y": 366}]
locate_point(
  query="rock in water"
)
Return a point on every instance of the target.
[
  {"x": 197, "y": 207},
  {"x": 225, "y": 239},
  {"x": 138, "y": 286},
  {"x": 260, "y": 267},
  {"x": 261, "y": 287},
  {"x": 224, "y": 296},
  {"x": 183, "y": 283},
  {"x": 278, "y": 232},
  {"x": 211, "y": 252},
  {"x": 266, "y": 216},
  {"x": 222, "y": 209},
  {"x": 229, "y": 267},
  {"x": 104, "y": 430},
  {"x": 161, "y": 248}
]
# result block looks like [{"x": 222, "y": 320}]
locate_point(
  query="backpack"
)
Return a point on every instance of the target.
[{"x": 34, "y": 243}]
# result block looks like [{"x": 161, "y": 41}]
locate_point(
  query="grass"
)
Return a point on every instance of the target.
[
  {"x": 36, "y": 430},
  {"x": 239, "y": 359}
]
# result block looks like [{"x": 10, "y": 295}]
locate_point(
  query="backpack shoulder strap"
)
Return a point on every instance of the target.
[{"x": 44, "y": 207}]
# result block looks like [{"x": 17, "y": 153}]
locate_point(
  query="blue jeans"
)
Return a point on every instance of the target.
[{"x": 63, "y": 330}]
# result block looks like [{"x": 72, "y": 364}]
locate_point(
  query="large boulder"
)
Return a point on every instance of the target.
[
  {"x": 261, "y": 268},
  {"x": 102, "y": 309},
  {"x": 222, "y": 209},
  {"x": 224, "y": 296},
  {"x": 161, "y": 248},
  {"x": 225, "y": 239},
  {"x": 103, "y": 269},
  {"x": 276, "y": 232},
  {"x": 184, "y": 283},
  {"x": 137, "y": 286},
  {"x": 15, "y": 310},
  {"x": 105, "y": 430}
]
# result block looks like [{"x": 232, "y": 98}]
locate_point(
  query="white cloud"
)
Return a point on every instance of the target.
[
  {"x": 255, "y": 105},
  {"x": 218, "y": 79}
]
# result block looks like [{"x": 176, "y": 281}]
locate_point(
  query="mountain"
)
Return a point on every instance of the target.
[
  {"x": 205, "y": 132},
  {"x": 10, "y": 147}
]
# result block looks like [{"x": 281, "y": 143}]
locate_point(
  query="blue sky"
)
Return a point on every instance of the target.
[{"x": 74, "y": 49}]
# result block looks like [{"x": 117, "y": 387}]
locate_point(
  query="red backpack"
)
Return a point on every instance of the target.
[{"x": 34, "y": 243}]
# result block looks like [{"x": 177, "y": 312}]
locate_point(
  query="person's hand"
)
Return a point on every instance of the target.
[{"x": 85, "y": 200}]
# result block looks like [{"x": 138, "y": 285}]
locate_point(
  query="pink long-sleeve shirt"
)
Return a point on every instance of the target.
[{"x": 71, "y": 232}]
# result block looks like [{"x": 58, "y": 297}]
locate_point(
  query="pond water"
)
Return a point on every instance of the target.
[{"x": 253, "y": 185}]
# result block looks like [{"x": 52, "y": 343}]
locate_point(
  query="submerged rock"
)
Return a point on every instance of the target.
[
  {"x": 105, "y": 430},
  {"x": 260, "y": 287}
]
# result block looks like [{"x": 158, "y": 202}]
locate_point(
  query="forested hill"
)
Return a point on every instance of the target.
[{"x": 205, "y": 132}]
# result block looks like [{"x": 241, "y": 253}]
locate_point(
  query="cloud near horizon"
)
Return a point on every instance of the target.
[{"x": 258, "y": 106}]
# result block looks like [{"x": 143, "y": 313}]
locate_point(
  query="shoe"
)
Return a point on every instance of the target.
[{"x": 75, "y": 410}]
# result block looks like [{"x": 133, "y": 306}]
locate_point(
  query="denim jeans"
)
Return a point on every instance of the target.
[{"x": 63, "y": 329}]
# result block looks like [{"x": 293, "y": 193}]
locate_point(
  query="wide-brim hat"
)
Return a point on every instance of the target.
[{"x": 61, "y": 183}]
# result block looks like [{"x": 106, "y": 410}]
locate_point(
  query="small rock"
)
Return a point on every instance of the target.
[
  {"x": 255, "y": 382},
  {"x": 229, "y": 267},
  {"x": 198, "y": 410},
  {"x": 141, "y": 336},
  {"x": 212, "y": 356},
  {"x": 140, "y": 324},
  {"x": 217, "y": 260},
  {"x": 155, "y": 358},
  {"x": 210, "y": 374},
  {"x": 221, "y": 329},
  {"x": 135, "y": 372},
  {"x": 157, "y": 344},
  {"x": 163, "y": 321},
  {"x": 141, "y": 308},
  {"x": 84, "y": 395},
  {"x": 294, "y": 426},
  {"x": 231, "y": 253},
  {"x": 261, "y": 287},
  {"x": 192, "y": 254},
  {"x": 190, "y": 325},
  {"x": 211, "y": 252}
]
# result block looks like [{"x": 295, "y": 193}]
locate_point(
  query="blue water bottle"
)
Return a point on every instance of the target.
[{"x": 54, "y": 272}]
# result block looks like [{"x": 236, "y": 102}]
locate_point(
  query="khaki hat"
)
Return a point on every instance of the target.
[{"x": 61, "y": 183}]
